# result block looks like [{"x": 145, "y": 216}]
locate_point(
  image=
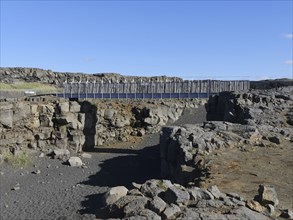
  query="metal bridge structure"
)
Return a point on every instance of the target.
[{"x": 150, "y": 89}]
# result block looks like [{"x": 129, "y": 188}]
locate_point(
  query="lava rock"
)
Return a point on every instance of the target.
[
  {"x": 75, "y": 162},
  {"x": 267, "y": 195},
  {"x": 255, "y": 206},
  {"x": 176, "y": 195},
  {"x": 114, "y": 194}
]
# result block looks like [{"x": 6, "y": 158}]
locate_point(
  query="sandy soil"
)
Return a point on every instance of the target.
[{"x": 241, "y": 171}]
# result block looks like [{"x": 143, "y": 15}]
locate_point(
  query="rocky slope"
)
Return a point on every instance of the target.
[
  {"x": 58, "y": 190},
  {"x": 271, "y": 84},
  {"x": 161, "y": 199},
  {"x": 259, "y": 119},
  {"x": 18, "y": 74},
  {"x": 245, "y": 120},
  {"x": 237, "y": 120}
]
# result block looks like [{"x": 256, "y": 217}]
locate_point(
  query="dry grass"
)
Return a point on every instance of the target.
[
  {"x": 19, "y": 160},
  {"x": 27, "y": 86}
]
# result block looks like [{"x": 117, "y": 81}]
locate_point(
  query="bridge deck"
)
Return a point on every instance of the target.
[{"x": 134, "y": 95}]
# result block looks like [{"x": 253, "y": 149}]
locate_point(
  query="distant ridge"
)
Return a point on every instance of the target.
[
  {"x": 10, "y": 75},
  {"x": 271, "y": 83}
]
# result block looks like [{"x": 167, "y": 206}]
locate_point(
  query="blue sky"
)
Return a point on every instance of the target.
[{"x": 189, "y": 39}]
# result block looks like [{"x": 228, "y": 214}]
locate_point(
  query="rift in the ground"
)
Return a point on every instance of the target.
[{"x": 225, "y": 157}]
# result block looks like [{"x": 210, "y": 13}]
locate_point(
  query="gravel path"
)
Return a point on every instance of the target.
[{"x": 63, "y": 192}]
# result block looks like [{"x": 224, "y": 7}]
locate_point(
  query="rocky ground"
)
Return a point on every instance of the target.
[
  {"x": 63, "y": 192},
  {"x": 271, "y": 84},
  {"x": 245, "y": 147}
]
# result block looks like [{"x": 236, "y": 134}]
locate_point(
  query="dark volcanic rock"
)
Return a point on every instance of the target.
[
  {"x": 139, "y": 207},
  {"x": 18, "y": 74}
]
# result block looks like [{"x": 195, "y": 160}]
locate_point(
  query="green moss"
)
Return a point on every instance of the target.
[{"x": 161, "y": 185}]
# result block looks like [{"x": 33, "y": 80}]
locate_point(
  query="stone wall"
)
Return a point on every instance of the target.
[{"x": 46, "y": 123}]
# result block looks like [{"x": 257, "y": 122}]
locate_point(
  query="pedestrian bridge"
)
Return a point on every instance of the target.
[{"x": 141, "y": 90}]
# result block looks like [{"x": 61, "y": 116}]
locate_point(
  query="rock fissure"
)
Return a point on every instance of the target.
[{"x": 245, "y": 121}]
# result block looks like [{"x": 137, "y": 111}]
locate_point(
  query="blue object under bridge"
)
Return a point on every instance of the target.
[{"x": 135, "y": 95}]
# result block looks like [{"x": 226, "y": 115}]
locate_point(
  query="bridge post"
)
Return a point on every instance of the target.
[
  {"x": 188, "y": 88},
  {"x": 180, "y": 86},
  {"x": 70, "y": 89},
  {"x": 170, "y": 86},
  {"x": 78, "y": 93},
  {"x": 142, "y": 88},
  {"x": 125, "y": 88},
  {"x": 118, "y": 85},
  {"x": 102, "y": 89},
  {"x": 161, "y": 89},
  {"x": 209, "y": 87},
  {"x": 94, "y": 89},
  {"x": 152, "y": 89},
  {"x": 86, "y": 83},
  {"x": 198, "y": 86},
  {"x": 64, "y": 86},
  {"x": 110, "y": 87},
  {"x": 135, "y": 88}
]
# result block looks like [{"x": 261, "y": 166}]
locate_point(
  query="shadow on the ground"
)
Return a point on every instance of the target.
[
  {"x": 131, "y": 165},
  {"x": 136, "y": 166},
  {"x": 113, "y": 150},
  {"x": 92, "y": 203}
]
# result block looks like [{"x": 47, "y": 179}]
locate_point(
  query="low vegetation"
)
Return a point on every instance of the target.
[
  {"x": 27, "y": 86},
  {"x": 19, "y": 160}
]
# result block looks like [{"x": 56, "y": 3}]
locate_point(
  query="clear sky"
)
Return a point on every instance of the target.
[{"x": 190, "y": 39}]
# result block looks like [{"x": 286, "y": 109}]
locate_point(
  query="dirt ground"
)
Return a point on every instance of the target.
[{"x": 241, "y": 171}]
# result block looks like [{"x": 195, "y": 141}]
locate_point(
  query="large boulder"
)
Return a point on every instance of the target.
[
  {"x": 109, "y": 113},
  {"x": 6, "y": 118},
  {"x": 214, "y": 190},
  {"x": 75, "y": 162},
  {"x": 255, "y": 206},
  {"x": 134, "y": 207},
  {"x": 199, "y": 194},
  {"x": 60, "y": 154},
  {"x": 114, "y": 194},
  {"x": 171, "y": 212},
  {"x": 145, "y": 214},
  {"x": 153, "y": 187},
  {"x": 267, "y": 195},
  {"x": 245, "y": 213},
  {"x": 176, "y": 195},
  {"x": 120, "y": 121},
  {"x": 63, "y": 107},
  {"x": 74, "y": 107},
  {"x": 158, "y": 205}
]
